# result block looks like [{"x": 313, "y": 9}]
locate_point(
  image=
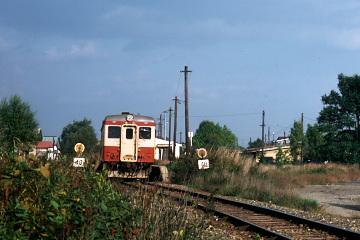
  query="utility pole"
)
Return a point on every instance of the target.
[
  {"x": 160, "y": 127},
  {"x": 263, "y": 132},
  {"x": 302, "y": 137},
  {"x": 164, "y": 124},
  {"x": 169, "y": 151},
  {"x": 187, "y": 137},
  {"x": 175, "y": 123}
]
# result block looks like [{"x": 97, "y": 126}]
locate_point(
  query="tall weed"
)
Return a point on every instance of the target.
[{"x": 233, "y": 174}]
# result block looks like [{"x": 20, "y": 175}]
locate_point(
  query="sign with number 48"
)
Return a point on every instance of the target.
[{"x": 79, "y": 162}]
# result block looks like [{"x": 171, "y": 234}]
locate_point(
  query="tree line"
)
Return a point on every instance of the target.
[
  {"x": 335, "y": 137},
  {"x": 20, "y": 131}
]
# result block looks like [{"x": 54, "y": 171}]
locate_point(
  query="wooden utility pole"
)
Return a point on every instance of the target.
[
  {"x": 263, "y": 132},
  {"x": 169, "y": 151},
  {"x": 175, "y": 124},
  {"x": 164, "y": 124},
  {"x": 160, "y": 127},
  {"x": 302, "y": 137},
  {"x": 187, "y": 137}
]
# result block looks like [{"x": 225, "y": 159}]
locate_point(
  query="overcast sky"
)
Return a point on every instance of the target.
[{"x": 76, "y": 59}]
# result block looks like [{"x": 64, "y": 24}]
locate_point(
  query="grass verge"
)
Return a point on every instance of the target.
[{"x": 232, "y": 174}]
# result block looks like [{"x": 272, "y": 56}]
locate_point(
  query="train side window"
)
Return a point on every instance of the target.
[
  {"x": 129, "y": 133},
  {"x": 145, "y": 133},
  {"x": 114, "y": 132}
]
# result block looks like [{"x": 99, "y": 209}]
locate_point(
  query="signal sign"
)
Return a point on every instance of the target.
[
  {"x": 79, "y": 162},
  {"x": 79, "y": 147}
]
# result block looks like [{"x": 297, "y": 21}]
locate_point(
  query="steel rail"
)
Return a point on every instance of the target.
[
  {"x": 266, "y": 233},
  {"x": 340, "y": 232}
]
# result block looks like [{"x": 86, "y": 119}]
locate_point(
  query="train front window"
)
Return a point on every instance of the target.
[
  {"x": 129, "y": 133},
  {"x": 114, "y": 132},
  {"x": 145, "y": 133}
]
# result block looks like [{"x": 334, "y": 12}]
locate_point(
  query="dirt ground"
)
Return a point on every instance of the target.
[{"x": 340, "y": 199}]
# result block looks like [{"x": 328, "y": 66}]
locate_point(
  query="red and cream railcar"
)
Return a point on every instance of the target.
[{"x": 128, "y": 145}]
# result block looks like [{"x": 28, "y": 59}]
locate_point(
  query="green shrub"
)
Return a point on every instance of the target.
[
  {"x": 182, "y": 170},
  {"x": 57, "y": 201}
]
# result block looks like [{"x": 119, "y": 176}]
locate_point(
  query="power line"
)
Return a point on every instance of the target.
[
  {"x": 227, "y": 115},
  {"x": 310, "y": 119}
]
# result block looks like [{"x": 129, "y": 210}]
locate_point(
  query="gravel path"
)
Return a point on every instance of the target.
[{"x": 340, "y": 199}]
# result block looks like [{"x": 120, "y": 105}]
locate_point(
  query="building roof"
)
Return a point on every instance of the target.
[{"x": 45, "y": 144}]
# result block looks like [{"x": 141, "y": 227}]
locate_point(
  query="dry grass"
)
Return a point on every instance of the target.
[
  {"x": 162, "y": 218},
  {"x": 233, "y": 174},
  {"x": 291, "y": 176}
]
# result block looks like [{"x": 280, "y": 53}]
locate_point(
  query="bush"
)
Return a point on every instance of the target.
[
  {"x": 182, "y": 170},
  {"x": 54, "y": 201},
  {"x": 57, "y": 201}
]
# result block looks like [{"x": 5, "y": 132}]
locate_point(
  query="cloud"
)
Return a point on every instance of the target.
[
  {"x": 349, "y": 39},
  {"x": 125, "y": 11},
  {"x": 4, "y": 45},
  {"x": 74, "y": 51}
]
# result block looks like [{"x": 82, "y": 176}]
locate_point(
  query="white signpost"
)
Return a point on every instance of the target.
[
  {"x": 203, "y": 163},
  {"x": 79, "y": 161}
]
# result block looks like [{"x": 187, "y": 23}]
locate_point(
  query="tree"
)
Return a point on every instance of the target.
[
  {"x": 339, "y": 120},
  {"x": 315, "y": 143},
  {"x": 297, "y": 141},
  {"x": 213, "y": 135},
  {"x": 19, "y": 129},
  {"x": 256, "y": 144},
  {"x": 78, "y": 132},
  {"x": 282, "y": 156}
]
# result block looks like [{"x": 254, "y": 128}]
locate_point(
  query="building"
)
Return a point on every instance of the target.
[
  {"x": 282, "y": 141},
  {"x": 162, "y": 147},
  {"x": 270, "y": 152},
  {"x": 49, "y": 147}
]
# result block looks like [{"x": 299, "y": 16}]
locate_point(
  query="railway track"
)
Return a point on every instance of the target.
[{"x": 268, "y": 223}]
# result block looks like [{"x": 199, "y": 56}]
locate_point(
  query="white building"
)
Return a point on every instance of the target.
[{"x": 162, "y": 147}]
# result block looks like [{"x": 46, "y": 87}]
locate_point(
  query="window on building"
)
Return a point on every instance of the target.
[
  {"x": 114, "y": 132},
  {"x": 145, "y": 133}
]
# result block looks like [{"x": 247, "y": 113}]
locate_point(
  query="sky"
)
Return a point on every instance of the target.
[{"x": 79, "y": 59}]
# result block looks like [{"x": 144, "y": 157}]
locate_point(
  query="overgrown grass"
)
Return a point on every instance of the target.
[
  {"x": 235, "y": 175},
  {"x": 57, "y": 201},
  {"x": 295, "y": 176}
]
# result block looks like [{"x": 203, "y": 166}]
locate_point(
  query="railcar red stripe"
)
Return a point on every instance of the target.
[{"x": 124, "y": 122}]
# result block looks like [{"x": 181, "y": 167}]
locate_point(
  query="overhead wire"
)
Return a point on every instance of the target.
[
  {"x": 310, "y": 119},
  {"x": 227, "y": 115}
]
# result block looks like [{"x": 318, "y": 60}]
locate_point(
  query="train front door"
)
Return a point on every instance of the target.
[{"x": 128, "y": 143}]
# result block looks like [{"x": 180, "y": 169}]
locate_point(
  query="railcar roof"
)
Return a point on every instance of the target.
[{"x": 122, "y": 117}]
